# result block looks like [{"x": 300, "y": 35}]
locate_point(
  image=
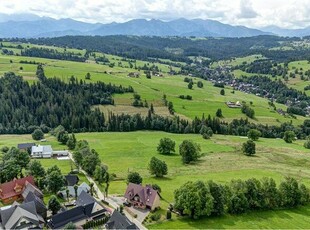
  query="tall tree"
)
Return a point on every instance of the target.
[
  {"x": 189, "y": 151},
  {"x": 36, "y": 169},
  {"x": 194, "y": 198},
  {"x": 157, "y": 167},
  {"x": 166, "y": 146},
  {"x": 54, "y": 205}
]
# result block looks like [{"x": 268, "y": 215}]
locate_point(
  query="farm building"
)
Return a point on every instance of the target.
[{"x": 41, "y": 151}]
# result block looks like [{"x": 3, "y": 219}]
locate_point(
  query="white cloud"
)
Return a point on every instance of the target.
[
  {"x": 258, "y": 13},
  {"x": 246, "y": 10}
]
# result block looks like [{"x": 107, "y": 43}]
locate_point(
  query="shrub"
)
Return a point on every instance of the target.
[{"x": 155, "y": 216}]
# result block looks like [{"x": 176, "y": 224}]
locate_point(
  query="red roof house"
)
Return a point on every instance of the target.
[
  {"x": 142, "y": 196},
  {"x": 11, "y": 191}
]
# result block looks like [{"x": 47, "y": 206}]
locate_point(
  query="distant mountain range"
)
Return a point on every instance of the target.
[{"x": 29, "y": 25}]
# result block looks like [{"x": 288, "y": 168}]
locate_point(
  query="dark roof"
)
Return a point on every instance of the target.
[
  {"x": 11, "y": 216},
  {"x": 119, "y": 221},
  {"x": 86, "y": 207},
  {"x": 72, "y": 179},
  {"x": 25, "y": 145},
  {"x": 14, "y": 187},
  {"x": 146, "y": 194},
  {"x": 84, "y": 198},
  {"x": 39, "y": 204},
  {"x": 33, "y": 189},
  {"x": 72, "y": 215}
]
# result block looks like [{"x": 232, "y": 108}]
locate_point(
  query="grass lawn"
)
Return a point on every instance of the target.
[
  {"x": 222, "y": 161},
  {"x": 281, "y": 219}
]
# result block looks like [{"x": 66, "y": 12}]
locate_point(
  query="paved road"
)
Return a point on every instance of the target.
[{"x": 108, "y": 199}]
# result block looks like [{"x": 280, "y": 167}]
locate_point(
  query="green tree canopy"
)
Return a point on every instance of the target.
[
  {"x": 254, "y": 134},
  {"x": 194, "y": 199},
  {"x": 134, "y": 177},
  {"x": 289, "y": 136},
  {"x": 157, "y": 167},
  {"x": 37, "y": 134},
  {"x": 248, "y": 148},
  {"x": 54, "y": 205},
  {"x": 166, "y": 146},
  {"x": 189, "y": 151}
]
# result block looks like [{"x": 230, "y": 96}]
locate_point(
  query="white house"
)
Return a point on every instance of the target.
[{"x": 41, "y": 151}]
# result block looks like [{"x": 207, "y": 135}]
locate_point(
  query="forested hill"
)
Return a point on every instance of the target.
[
  {"x": 176, "y": 48},
  {"x": 50, "y": 102}
]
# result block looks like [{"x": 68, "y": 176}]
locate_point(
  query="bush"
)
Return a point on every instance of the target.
[
  {"x": 248, "y": 148},
  {"x": 307, "y": 144},
  {"x": 254, "y": 134},
  {"x": 289, "y": 136},
  {"x": 155, "y": 216}
]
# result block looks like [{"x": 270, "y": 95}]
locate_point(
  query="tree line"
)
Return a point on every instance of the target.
[
  {"x": 199, "y": 199},
  {"x": 147, "y": 48},
  {"x": 52, "y": 54}
]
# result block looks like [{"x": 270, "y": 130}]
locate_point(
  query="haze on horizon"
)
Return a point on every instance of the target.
[{"x": 290, "y": 14}]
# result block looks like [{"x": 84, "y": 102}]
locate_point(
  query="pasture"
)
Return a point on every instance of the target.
[{"x": 205, "y": 100}]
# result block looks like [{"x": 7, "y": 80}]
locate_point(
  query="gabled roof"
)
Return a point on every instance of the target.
[
  {"x": 72, "y": 179},
  {"x": 146, "y": 194},
  {"x": 91, "y": 205},
  {"x": 84, "y": 199},
  {"x": 87, "y": 207},
  {"x": 11, "y": 217},
  {"x": 25, "y": 145},
  {"x": 119, "y": 221},
  {"x": 14, "y": 187},
  {"x": 82, "y": 187},
  {"x": 39, "y": 204},
  {"x": 42, "y": 148},
  {"x": 72, "y": 215},
  {"x": 33, "y": 189}
]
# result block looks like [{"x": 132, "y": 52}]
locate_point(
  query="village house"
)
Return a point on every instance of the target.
[
  {"x": 46, "y": 151},
  {"x": 41, "y": 151},
  {"x": 21, "y": 216},
  {"x": 142, "y": 196},
  {"x": 71, "y": 179},
  {"x": 134, "y": 74},
  {"x": 231, "y": 104},
  {"x": 81, "y": 188},
  {"x": 119, "y": 221},
  {"x": 87, "y": 209},
  {"x": 13, "y": 190}
]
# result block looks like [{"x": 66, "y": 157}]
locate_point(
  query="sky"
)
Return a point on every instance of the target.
[{"x": 251, "y": 13}]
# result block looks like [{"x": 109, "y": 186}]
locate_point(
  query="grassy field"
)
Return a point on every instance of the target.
[
  {"x": 284, "y": 219},
  {"x": 222, "y": 161},
  {"x": 206, "y": 100},
  {"x": 296, "y": 82}
]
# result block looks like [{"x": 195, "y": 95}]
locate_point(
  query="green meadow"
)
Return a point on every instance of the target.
[{"x": 205, "y": 100}]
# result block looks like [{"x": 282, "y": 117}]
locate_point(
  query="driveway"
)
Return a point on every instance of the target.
[{"x": 141, "y": 213}]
